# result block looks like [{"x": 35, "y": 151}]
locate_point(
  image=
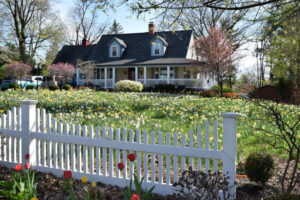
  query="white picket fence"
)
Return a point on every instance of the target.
[{"x": 55, "y": 147}]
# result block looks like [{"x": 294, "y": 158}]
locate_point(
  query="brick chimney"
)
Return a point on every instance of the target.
[
  {"x": 85, "y": 42},
  {"x": 151, "y": 28}
]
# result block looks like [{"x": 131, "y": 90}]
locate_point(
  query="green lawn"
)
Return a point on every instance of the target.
[{"x": 150, "y": 111}]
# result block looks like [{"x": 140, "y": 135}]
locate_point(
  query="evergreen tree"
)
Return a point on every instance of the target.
[{"x": 116, "y": 28}]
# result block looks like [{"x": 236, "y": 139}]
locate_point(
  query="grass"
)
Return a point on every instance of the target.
[{"x": 152, "y": 112}]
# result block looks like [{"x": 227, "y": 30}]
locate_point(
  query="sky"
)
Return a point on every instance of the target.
[{"x": 131, "y": 24}]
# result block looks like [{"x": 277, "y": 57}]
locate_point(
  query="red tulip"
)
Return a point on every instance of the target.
[
  {"x": 131, "y": 157},
  {"x": 18, "y": 167},
  {"x": 27, "y": 156},
  {"x": 135, "y": 197},
  {"x": 27, "y": 165},
  {"x": 120, "y": 166},
  {"x": 67, "y": 174}
]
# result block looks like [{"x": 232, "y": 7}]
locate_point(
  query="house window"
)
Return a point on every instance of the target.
[
  {"x": 114, "y": 51},
  {"x": 156, "y": 49},
  {"x": 98, "y": 73},
  {"x": 162, "y": 73}
]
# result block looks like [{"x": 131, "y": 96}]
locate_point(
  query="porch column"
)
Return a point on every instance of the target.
[
  {"x": 105, "y": 77},
  {"x": 145, "y": 76},
  {"x": 113, "y": 76},
  {"x": 77, "y": 77},
  {"x": 136, "y": 73},
  {"x": 168, "y": 74}
]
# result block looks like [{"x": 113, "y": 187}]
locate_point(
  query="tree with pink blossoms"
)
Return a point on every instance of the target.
[
  {"x": 18, "y": 70},
  {"x": 215, "y": 50},
  {"x": 64, "y": 70}
]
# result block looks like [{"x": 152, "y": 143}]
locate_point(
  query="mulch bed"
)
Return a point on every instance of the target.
[{"x": 50, "y": 187}]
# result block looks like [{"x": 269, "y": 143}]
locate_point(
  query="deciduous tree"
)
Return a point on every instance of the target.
[{"x": 215, "y": 51}]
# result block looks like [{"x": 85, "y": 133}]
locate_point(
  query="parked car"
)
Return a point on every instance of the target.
[
  {"x": 5, "y": 84},
  {"x": 24, "y": 82},
  {"x": 49, "y": 80}
]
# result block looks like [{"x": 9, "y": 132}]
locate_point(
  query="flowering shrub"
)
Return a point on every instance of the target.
[
  {"x": 129, "y": 86},
  {"x": 64, "y": 70},
  {"x": 210, "y": 93},
  {"x": 22, "y": 186},
  {"x": 18, "y": 69}
]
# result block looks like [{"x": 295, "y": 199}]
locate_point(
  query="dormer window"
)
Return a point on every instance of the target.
[
  {"x": 116, "y": 47},
  {"x": 114, "y": 51},
  {"x": 159, "y": 46}
]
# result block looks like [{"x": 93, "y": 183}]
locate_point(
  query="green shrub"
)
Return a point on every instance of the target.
[
  {"x": 14, "y": 86},
  {"x": 209, "y": 93},
  {"x": 168, "y": 88},
  {"x": 218, "y": 89},
  {"x": 30, "y": 87},
  {"x": 129, "y": 86},
  {"x": 259, "y": 167},
  {"x": 53, "y": 87},
  {"x": 67, "y": 87}
]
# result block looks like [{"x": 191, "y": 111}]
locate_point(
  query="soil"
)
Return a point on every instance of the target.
[{"x": 51, "y": 188}]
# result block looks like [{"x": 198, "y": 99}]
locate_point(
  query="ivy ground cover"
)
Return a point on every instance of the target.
[{"x": 152, "y": 112}]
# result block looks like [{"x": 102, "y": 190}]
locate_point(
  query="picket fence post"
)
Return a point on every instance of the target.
[
  {"x": 28, "y": 113},
  {"x": 229, "y": 147}
]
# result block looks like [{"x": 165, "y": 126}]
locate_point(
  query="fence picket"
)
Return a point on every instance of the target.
[
  {"x": 104, "y": 153},
  {"x": 85, "y": 153},
  {"x": 111, "y": 151},
  {"x": 98, "y": 151},
  {"x": 124, "y": 152},
  {"x": 146, "y": 157},
  {"x": 152, "y": 158},
  {"x": 131, "y": 167},
  {"x": 67, "y": 158},
  {"x": 38, "y": 120},
  {"x": 206, "y": 144},
  {"x": 72, "y": 130},
  {"x": 49, "y": 146},
  {"x": 55, "y": 143},
  {"x": 8, "y": 139},
  {"x": 191, "y": 145},
  {"x": 175, "y": 159},
  {"x": 43, "y": 121},
  {"x": 79, "y": 169},
  {"x": 199, "y": 145},
  {"x": 168, "y": 160},
  {"x": 160, "y": 160},
  {"x": 215, "y": 161},
  {"x": 117, "y": 152},
  {"x": 183, "y": 143},
  {"x": 138, "y": 160},
  {"x": 60, "y": 154},
  {"x": 19, "y": 119},
  {"x": 91, "y": 148},
  {"x": 14, "y": 118}
]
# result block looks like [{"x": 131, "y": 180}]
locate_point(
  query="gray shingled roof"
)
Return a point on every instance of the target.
[{"x": 137, "y": 51}]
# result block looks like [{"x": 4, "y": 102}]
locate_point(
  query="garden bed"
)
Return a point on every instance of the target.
[{"x": 50, "y": 187}]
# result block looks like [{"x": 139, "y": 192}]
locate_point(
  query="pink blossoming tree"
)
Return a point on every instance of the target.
[
  {"x": 216, "y": 52},
  {"x": 64, "y": 70},
  {"x": 18, "y": 70}
]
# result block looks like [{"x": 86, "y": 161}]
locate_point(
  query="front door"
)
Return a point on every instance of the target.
[{"x": 131, "y": 74}]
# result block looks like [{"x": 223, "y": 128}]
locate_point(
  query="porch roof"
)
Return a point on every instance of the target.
[{"x": 158, "y": 61}]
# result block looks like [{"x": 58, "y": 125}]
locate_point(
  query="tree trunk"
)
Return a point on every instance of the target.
[{"x": 221, "y": 88}]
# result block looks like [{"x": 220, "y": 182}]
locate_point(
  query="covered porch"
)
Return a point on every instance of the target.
[{"x": 149, "y": 76}]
